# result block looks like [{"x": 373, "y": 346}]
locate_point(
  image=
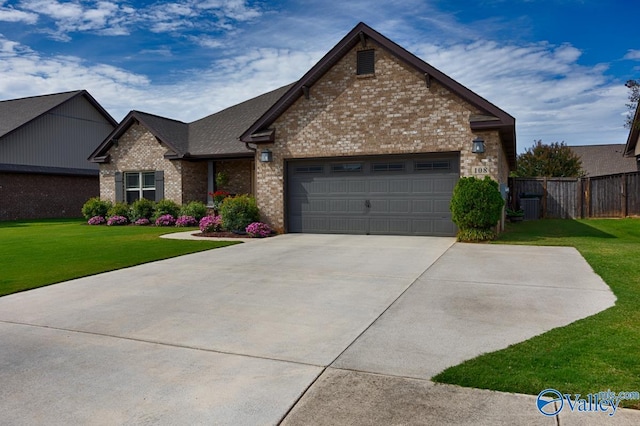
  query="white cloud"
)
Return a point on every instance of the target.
[
  {"x": 632, "y": 54},
  {"x": 9, "y": 14}
]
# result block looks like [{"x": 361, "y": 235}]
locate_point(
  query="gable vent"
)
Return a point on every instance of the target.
[{"x": 366, "y": 62}]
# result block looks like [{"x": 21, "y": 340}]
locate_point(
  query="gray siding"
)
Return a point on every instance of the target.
[{"x": 64, "y": 137}]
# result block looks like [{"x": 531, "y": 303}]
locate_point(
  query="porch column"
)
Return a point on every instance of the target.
[{"x": 211, "y": 181}]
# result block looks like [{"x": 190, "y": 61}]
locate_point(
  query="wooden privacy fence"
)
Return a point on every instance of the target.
[{"x": 572, "y": 198}]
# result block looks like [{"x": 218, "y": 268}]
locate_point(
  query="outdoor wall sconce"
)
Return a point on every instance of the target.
[
  {"x": 266, "y": 156},
  {"x": 478, "y": 146}
]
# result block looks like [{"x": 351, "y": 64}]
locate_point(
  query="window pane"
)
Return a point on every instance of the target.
[
  {"x": 149, "y": 194},
  {"x": 149, "y": 180},
  {"x": 132, "y": 180},
  {"x": 309, "y": 169},
  {"x": 347, "y": 167},
  {"x": 132, "y": 196},
  {"x": 388, "y": 167}
]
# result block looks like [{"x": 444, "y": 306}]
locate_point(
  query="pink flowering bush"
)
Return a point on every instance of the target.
[
  {"x": 96, "y": 220},
  {"x": 143, "y": 221},
  {"x": 117, "y": 220},
  {"x": 258, "y": 229},
  {"x": 183, "y": 221},
  {"x": 165, "y": 220},
  {"x": 210, "y": 224}
]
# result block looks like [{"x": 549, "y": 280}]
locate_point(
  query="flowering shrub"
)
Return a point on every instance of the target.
[
  {"x": 219, "y": 195},
  {"x": 186, "y": 221},
  {"x": 258, "y": 229},
  {"x": 96, "y": 220},
  {"x": 143, "y": 221},
  {"x": 165, "y": 220},
  {"x": 210, "y": 224},
  {"x": 117, "y": 220}
]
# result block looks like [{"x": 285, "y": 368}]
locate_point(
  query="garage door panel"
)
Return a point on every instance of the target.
[
  {"x": 422, "y": 206},
  {"x": 372, "y": 200},
  {"x": 422, "y": 185}
]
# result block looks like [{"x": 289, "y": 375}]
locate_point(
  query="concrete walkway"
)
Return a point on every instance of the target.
[{"x": 311, "y": 329}]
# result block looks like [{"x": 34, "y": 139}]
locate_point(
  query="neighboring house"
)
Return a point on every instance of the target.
[
  {"x": 600, "y": 160},
  {"x": 370, "y": 140},
  {"x": 632, "y": 149},
  {"x": 44, "y": 144}
]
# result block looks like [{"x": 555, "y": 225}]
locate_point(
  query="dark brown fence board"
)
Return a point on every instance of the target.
[{"x": 601, "y": 196}]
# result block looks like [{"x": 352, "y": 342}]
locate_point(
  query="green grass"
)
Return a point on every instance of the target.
[
  {"x": 591, "y": 355},
  {"x": 38, "y": 253}
]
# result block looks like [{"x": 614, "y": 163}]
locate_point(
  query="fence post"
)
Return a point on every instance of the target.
[
  {"x": 544, "y": 198},
  {"x": 624, "y": 195},
  {"x": 587, "y": 198}
]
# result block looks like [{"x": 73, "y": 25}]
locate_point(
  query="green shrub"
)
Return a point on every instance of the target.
[
  {"x": 95, "y": 207},
  {"x": 119, "y": 209},
  {"x": 164, "y": 207},
  {"x": 476, "y": 207},
  {"x": 141, "y": 209},
  {"x": 238, "y": 212},
  {"x": 195, "y": 209}
]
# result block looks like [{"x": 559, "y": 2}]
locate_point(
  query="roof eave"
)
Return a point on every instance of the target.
[{"x": 634, "y": 134}]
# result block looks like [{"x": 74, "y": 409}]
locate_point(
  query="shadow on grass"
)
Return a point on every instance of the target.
[{"x": 548, "y": 229}]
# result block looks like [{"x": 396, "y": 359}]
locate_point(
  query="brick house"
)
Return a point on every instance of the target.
[
  {"x": 370, "y": 140},
  {"x": 44, "y": 143}
]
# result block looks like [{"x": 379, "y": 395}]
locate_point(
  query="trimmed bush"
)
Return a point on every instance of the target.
[
  {"x": 184, "y": 221},
  {"x": 166, "y": 207},
  {"x": 117, "y": 220},
  {"x": 119, "y": 209},
  {"x": 258, "y": 229},
  {"x": 142, "y": 209},
  {"x": 95, "y": 207},
  {"x": 195, "y": 209},
  {"x": 238, "y": 212},
  {"x": 97, "y": 220},
  {"x": 476, "y": 207},
  {"x": 166, "y": 220},
  {"x": 210, "y": 224}
]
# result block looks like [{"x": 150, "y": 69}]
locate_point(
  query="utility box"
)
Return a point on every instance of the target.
[{"x": 531, "y": 207}]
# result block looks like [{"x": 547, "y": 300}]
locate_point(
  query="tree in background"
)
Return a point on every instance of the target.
[
  {"x": 634, "y": 97},
  {"x": 554, "y": 160}
]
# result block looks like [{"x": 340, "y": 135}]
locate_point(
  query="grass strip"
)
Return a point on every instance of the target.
[
  {"x": 43, "y": 252},
  {"x": 594, "y": 354}
]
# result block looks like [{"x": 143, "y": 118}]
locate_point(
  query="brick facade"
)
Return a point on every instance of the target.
[
  {"x": 39, "y": 196},
  {"x": 138, "y": 150},
  {"x": 194, "y": 181},
  {"x": 240, "y": 174},
  {"x": 390, "y": 112}
]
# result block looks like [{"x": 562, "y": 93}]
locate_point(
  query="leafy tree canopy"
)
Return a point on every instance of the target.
[
  {"x": 634, "y": 97},
  {"x": 553, "y": 160}
]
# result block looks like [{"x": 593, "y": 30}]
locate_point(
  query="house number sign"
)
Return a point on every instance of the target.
[{"x": 483, "y": 170}]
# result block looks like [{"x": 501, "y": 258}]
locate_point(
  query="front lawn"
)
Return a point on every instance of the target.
[
  {"x": 591, "y": 355},
  {"x": 38, "y": 253}
]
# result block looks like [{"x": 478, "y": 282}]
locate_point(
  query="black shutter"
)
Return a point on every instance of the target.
[
  {"x": 366, "y": 62},
  {"x": 159, "y": 185},
  {"x": 119, "y": 187}
]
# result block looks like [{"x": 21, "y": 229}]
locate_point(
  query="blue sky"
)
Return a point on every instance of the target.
[{"x": 558, "y": 66}]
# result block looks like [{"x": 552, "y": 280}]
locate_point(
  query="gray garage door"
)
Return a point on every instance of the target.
[{"x": 374, "y": 195}]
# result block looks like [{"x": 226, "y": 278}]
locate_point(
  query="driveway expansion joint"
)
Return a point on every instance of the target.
[{"x": 153, "y": 342}]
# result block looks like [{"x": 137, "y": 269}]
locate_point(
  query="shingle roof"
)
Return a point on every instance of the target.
[
  {"x": 215, "y": 135},
  {"x": 15, "y": 113},
  {"x": 599, "y": 160}
]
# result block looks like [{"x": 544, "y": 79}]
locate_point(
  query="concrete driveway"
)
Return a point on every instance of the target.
[{"x": 238, "y": 335}]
